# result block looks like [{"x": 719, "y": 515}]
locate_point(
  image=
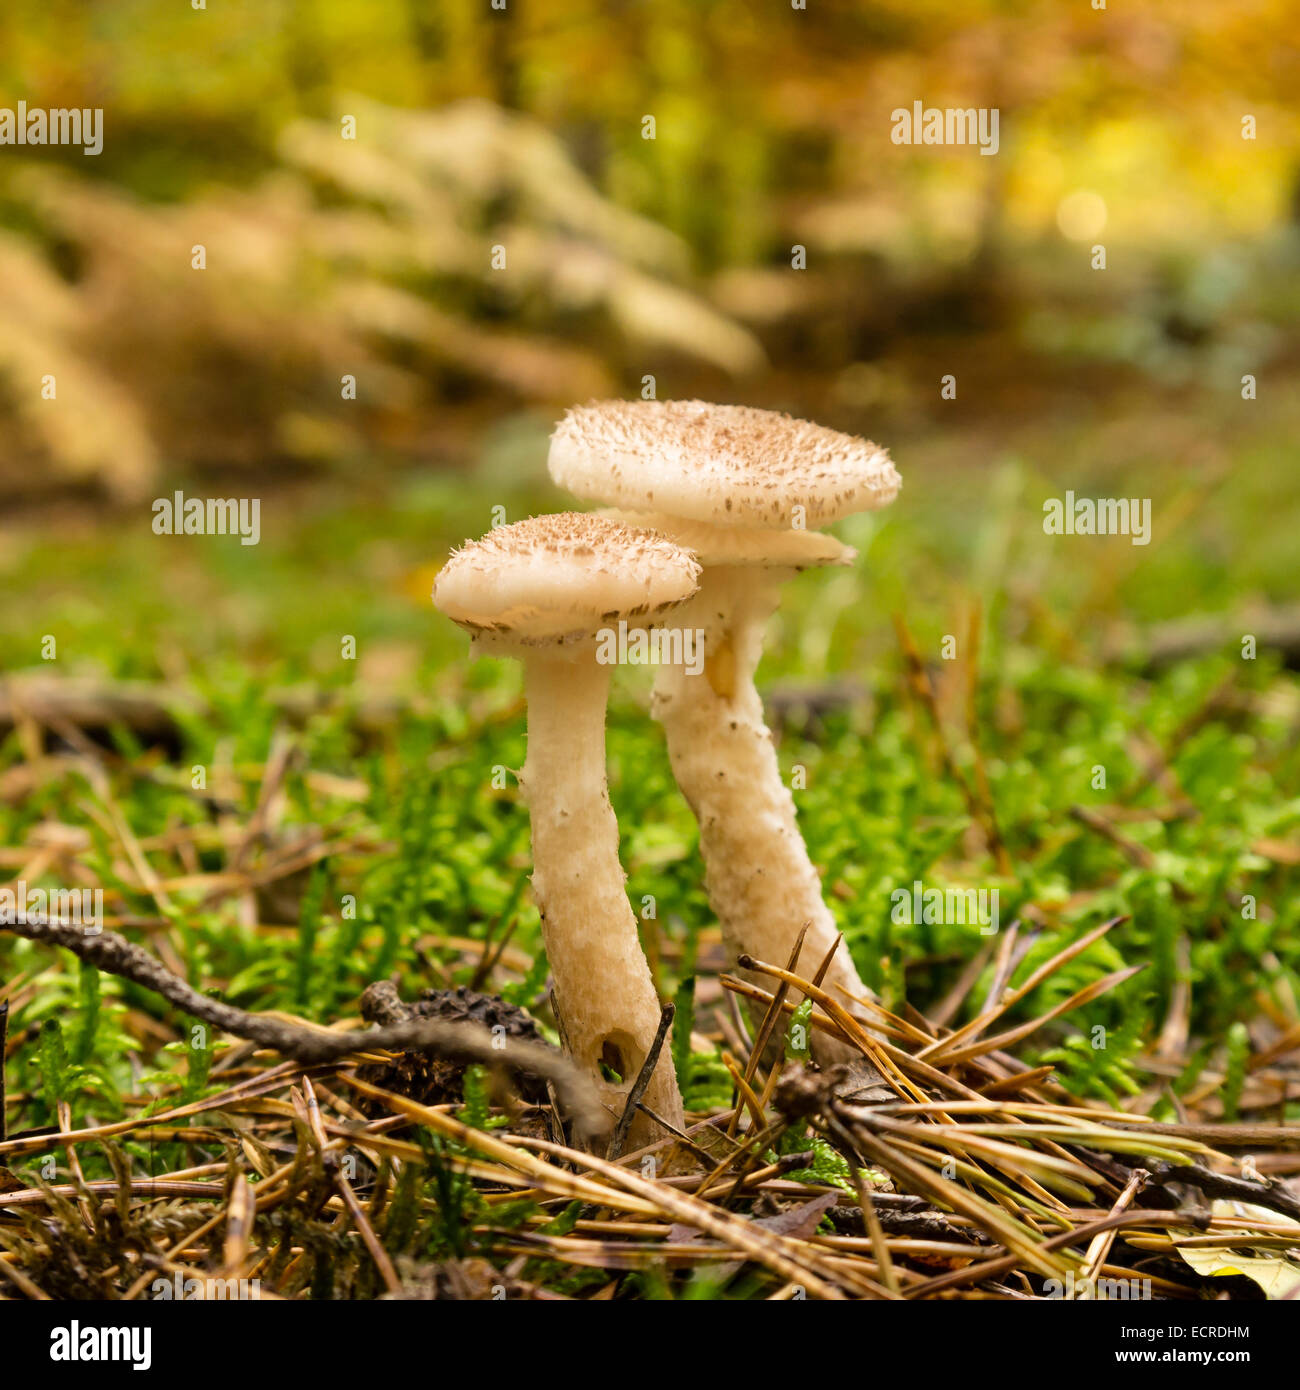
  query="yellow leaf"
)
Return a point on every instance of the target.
[{"x": 1276, "y": 1272}]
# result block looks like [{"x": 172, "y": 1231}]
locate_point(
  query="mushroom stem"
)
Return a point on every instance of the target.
[
  {"x": 605, "y": 999},
  {"x": 761, "y": 883}
]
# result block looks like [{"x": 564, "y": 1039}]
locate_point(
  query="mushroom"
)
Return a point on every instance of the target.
[
  {"x": 732, "y": 484},
  {"x": 539, "y": 590}
]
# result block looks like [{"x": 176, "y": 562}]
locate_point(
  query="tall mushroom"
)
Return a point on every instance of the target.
[
  {"x": 737, "y": 486},
  {"x": 540, "y": 590}
]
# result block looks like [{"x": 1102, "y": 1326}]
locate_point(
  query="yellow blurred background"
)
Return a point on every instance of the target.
[{"x": 456, "y": 206}]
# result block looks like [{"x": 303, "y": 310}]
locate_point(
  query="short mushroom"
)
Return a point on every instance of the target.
[
  {"x": 540, "y": 590},
  {"x": 736, "y": 486}
]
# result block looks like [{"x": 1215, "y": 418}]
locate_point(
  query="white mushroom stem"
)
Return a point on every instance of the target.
[
  {"x": 761, "y": 884},
  {"x": 604, "y": 996}
]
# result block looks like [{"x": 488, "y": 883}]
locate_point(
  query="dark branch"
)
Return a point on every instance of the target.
[
  {"x": 1229, "y": 1189},
  {"x": 458, "y": 1041}
]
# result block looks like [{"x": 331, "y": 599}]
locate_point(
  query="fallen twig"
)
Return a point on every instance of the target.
[
  {"x": 459, "y": 1041},
  {"x": 1214, "y": 1184},
  {"x": 642, "y": 1081}
]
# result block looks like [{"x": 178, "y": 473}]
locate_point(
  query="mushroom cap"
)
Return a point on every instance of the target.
[
  {"x": 556, "y": 579},
  {"x": 726, "y": 464},
  {"x": 760, "y": 547}
]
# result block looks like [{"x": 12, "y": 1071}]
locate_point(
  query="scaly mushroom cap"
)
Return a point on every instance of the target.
[
  {"x": 555, "y": 579},
  {"x": 759, "y": 547},
  {"x": 726, "y": 464}
]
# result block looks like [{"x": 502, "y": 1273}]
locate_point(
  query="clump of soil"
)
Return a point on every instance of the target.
[{"x": 426, "y": 1077}]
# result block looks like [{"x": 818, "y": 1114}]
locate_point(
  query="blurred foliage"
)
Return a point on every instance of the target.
[{"x": 521, "y": 128}]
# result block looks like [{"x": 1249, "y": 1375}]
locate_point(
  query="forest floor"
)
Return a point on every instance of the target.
[{"x": 280, "y": 768}]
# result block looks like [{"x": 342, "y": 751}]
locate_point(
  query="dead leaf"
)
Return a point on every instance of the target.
[{"x": 1276, "y": 1272}]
